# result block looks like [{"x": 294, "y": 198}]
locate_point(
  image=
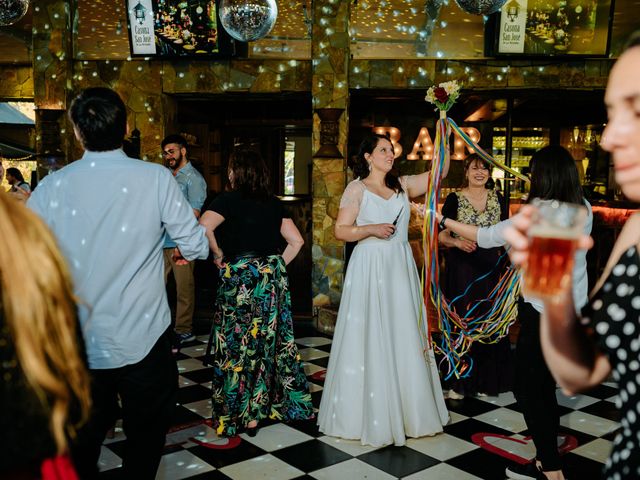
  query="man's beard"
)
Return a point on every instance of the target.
[{"x": 174, "y": 164}]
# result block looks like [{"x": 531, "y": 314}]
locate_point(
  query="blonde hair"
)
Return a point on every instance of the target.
[{"x": 39, "y": 307}]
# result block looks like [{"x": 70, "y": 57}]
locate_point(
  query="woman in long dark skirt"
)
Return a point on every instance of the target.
[
  {"x": 475, "y": 204},
  {"x": 257, "y": 369}
]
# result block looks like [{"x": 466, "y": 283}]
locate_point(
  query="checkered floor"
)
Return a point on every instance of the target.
[{"x": 482, "y": 433}]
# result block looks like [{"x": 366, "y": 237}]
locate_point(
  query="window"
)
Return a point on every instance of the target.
[
  {"x": 289, "y": 167},
  {"x": 296, "y": 171}
]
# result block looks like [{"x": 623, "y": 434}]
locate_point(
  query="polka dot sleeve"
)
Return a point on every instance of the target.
[{"x": 614, "y": 315}]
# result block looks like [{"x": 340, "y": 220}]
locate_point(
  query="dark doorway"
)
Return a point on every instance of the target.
[{"x": 218, "y": 124}]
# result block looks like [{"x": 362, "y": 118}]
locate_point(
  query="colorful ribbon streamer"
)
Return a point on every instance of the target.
[
  {"x": 499, "y": 309},
  {"x": 484, "y": 155}
]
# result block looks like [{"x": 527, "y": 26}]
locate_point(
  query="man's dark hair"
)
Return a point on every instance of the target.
[
  {"x": 15, "y": 173},
  {"x": 174, "y": 138},
  {"x": 100, "y": 117}
]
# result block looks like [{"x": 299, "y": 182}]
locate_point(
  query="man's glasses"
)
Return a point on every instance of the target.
[{"x": 166, "y": 153}]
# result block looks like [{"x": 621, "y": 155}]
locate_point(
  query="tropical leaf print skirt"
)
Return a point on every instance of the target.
[{"x": 257, "y": 369}]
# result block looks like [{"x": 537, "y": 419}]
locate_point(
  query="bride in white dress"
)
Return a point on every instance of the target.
[{"x": 382, "y": 383}]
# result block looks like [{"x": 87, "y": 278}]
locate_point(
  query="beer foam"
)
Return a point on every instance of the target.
[{"x": 547, "y": 232}]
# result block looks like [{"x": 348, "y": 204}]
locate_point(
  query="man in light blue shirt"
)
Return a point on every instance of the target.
[
  {"x": 110, "y": 213},
  {"x": 194, "y": 188}
]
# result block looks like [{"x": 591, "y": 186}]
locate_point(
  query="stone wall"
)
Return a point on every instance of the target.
[
  {"x": 149, "y": 87},
  {"x": 330, "y": 92}
]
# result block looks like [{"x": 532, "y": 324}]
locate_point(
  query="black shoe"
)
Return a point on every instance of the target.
[
  {"x": 528, "y": 471},
  {"x": 252, "y": 431},
  {"x": 184, "y": 337}
]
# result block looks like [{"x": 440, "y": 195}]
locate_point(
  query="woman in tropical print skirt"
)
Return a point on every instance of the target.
[{"x": 257, "y": 369}]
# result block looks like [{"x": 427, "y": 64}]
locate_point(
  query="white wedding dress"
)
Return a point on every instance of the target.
[{"x": 380, "y": 386}]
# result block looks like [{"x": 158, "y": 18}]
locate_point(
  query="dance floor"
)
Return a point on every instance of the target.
[{"x": 484, "y": 435}]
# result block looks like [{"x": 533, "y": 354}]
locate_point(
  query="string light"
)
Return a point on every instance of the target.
[{"x": 20, "y": 159}]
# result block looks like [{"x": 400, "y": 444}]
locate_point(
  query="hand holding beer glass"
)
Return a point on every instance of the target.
[{"x": 553, "y": 238}]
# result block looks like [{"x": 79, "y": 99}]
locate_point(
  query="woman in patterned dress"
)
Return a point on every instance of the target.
[
  {"x": 257, "y": 369},
  {"x": 476, "y": 205},
  {"x": 582, "y": 350}
]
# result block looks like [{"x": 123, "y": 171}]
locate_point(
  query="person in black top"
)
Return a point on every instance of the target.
[
  {"x": 257, "y": 368},
  {"x": 44, "y": 382}
]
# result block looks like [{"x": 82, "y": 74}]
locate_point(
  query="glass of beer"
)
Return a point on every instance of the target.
[{"x": 553, "y": 237}]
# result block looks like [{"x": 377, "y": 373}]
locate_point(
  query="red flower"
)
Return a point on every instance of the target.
[{"x": 441, "y": 94}]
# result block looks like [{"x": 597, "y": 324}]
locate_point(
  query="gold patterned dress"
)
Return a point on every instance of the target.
[{"x": 492, "y": 364}]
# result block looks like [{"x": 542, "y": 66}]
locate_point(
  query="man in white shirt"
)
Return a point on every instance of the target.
[{"x": 110, "y": 213}]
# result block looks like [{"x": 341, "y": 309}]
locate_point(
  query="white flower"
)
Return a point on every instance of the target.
[
  {"x": 448, "y": 87},
  {"x": 431, "y": 98},
  {"x": 451, "y": 87}
]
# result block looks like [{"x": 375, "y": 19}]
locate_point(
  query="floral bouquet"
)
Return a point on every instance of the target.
[{"x": 444, "y": 95}]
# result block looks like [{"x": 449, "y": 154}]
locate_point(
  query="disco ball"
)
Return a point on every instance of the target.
[
  {"x": 248, "y": 20},
  {"x": 481, "y": 7},
  {"x": 12, "y": 10}
]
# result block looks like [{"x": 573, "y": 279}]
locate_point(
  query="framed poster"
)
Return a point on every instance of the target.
[
  {"x": 179, "y": 28},
  {"x": 551, "y": 28}
]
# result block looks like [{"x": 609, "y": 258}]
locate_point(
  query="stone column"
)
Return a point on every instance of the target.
[
  {"x": 52, "y": 72},
  {"x": 330, "y": 92}
]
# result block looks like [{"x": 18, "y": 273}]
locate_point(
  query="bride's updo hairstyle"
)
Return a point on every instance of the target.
[{"x": 360, "y": 166}]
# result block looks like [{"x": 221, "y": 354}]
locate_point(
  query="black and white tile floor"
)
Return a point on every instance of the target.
[{"x": 483, "y": 437}]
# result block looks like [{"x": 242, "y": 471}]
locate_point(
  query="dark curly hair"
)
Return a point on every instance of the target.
[
  {"x": 360, "y": 166},
  {"x": 174, "y": 138},
  {"x": 250, "y": 173}
]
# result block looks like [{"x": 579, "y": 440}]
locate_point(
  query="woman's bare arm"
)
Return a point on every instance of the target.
[
  {"x": 212, "y": 220},
  {"x": 417, "y": 184},
  {"x": 294, "y": 240},
  {"x": 346, "y": 229},
  {"x": 445, "y": 239},
  {"x": 470, "y": 232}
]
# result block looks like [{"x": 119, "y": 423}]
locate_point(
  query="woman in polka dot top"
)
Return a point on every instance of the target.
[{"x": 583, "y": 350}]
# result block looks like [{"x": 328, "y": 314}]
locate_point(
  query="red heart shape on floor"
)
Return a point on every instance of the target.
[
  {"x": 232, "y": 442},
  {"x": 499, "y": 444},
  {"x": 319, "y": 375}
]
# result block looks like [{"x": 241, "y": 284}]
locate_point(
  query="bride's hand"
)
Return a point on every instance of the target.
[{"x": 381, "y": 230}]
